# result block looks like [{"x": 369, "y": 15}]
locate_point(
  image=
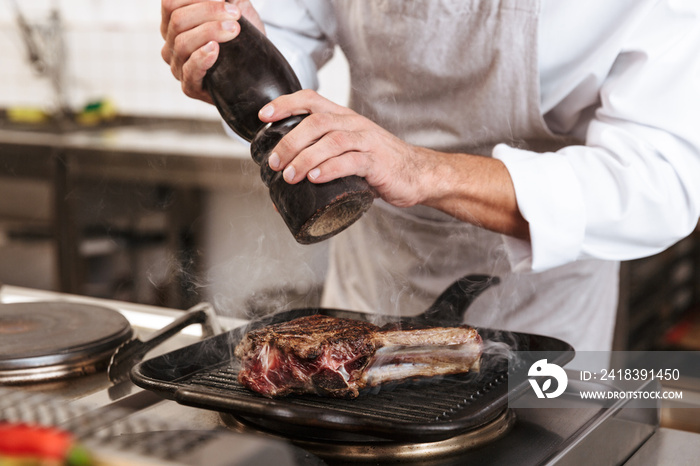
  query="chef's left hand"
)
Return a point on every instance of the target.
[{"x": 334, "y": 142}]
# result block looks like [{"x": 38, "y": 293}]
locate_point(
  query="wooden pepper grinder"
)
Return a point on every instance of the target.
[{"x": 249, "y": 73}]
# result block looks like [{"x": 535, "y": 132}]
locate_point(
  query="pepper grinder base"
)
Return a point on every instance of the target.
[
  {"x": 314, "y": 213},
  {"x": 333, "y": 219}
]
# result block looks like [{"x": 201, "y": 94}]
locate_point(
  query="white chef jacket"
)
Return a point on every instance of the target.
[{"x": 624, "y": 77}]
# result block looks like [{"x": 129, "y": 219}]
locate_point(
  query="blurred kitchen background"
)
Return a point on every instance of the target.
[{"x": 113, "y": 184}]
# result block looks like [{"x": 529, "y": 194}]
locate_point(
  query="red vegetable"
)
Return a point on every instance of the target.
[{"x": 32, "y": 440}]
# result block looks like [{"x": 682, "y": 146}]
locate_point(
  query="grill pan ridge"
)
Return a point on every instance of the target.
[{"x": 204, "y": 375}]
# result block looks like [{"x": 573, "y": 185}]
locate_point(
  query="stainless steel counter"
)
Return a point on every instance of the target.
[
  {"x": 668, "y": 447},
  {"x": 198, "y": 153},
  {"x": 180, "y": 158}
]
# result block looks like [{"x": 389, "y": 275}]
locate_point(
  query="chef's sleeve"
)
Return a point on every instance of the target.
[
  {"x": 300, "y": 30},
  {"x": 632, "y": 189},
  {"x": 300, "y": 36}
]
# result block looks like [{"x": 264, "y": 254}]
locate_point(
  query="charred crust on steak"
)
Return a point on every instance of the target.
[
  {"x": 338, "y": 357},
  {"x": 307, "y": 338}
]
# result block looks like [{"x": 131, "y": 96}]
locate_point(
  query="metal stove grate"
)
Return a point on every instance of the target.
[
  {"x": 113, "y": 428},
  {"x": 37, "y": 408}
]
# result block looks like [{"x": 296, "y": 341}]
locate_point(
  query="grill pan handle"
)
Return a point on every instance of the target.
[
  {"x": 449, "y": 308},
  {"x": 133, "y": 351}
]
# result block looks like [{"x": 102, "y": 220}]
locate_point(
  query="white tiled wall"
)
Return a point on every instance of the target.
[{"x": 112, "y": 52}]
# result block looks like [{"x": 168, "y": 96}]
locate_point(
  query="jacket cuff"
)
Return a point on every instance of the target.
[{"x": 549, "y": 197}]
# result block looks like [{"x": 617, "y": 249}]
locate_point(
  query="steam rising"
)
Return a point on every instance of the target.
[{"x": 255, "y": 268}]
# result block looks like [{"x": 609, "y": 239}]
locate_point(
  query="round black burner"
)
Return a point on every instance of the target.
[{"x": 49, "y": 340}]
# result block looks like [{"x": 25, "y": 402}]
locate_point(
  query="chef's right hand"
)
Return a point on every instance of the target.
[{"x": 192, "y": 30}]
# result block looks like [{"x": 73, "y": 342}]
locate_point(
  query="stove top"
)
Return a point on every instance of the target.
[
  {"x": 49, "y": 340},
  {"x": 123, "y": 421},
  {"x": 120, "y": 424}
]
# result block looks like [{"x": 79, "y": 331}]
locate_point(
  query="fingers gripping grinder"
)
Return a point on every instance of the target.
[{"x": 249, "y": 73}]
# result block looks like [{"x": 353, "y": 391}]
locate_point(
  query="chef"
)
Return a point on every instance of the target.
[{"x": 540, "y": 141}]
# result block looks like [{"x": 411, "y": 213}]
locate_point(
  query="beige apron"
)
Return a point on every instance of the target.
[{"x": 460, "y": 76}]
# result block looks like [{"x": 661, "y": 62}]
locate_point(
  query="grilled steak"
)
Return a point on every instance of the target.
[{"x": 338, "y": 357}]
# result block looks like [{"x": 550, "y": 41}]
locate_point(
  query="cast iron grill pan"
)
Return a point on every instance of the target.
[{"x": 204, "y": 375}]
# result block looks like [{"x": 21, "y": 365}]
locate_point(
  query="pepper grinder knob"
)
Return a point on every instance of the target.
[{"x": 249, "y": 73}]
